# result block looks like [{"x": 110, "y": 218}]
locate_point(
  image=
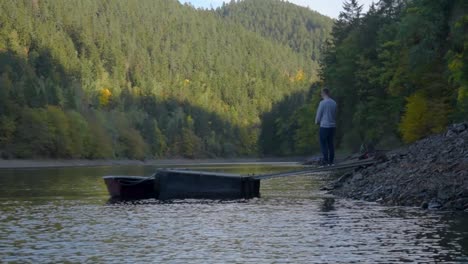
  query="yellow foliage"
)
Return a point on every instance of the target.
[
  {"x": 462, "y": 94},
  {"x": 422, "y": 118},
  {"x": 186, "y": 82},
  {"x": 104, "y": 97},
  {"x": 190, "y": 121},
  {"x": 413, "y": 123},
  {"x": 299, "y": 76},
  {"x": 136, "y": 91}
]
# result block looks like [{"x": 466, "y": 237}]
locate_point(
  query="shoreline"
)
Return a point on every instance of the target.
[
  {"x": 431, "y": 173},
  {"x": 38, "y": 164}
]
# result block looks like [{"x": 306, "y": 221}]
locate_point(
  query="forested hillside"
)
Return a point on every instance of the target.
[
  {"x": 144, "y": 79},
  {"x": 398, "y": 73},
  {"x": 303, "y": 30}
]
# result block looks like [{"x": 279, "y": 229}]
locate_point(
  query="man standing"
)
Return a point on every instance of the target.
[{"x": 326, "y": 118}]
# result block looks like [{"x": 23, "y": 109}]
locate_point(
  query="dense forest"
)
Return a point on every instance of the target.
[
  {"x": 398, "y": 72},
  {"x": 146, "y": 79},
  {"x": 301, "y": 29}
]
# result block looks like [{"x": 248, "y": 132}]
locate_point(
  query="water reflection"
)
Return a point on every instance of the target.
[
  {"x": 60, "y": 215},
  {"x": 328, "y": 204}
]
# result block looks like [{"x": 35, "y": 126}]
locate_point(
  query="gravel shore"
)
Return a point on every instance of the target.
[{"x": 431, "y": 173}]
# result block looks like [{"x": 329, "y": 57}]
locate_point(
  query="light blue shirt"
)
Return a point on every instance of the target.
[{"x": 326, "y": 113}]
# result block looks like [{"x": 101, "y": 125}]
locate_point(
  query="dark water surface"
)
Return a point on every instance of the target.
[{"x": 61, "y": 215}]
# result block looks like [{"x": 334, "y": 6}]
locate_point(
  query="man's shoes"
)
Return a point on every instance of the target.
[{"x": 323, "y": 164}]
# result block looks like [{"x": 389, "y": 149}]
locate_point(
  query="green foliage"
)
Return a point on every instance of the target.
[
  {"x": 79, "y": 134},
  {"x": 58, "y": 132},
  {"x": 190, "y": 144},
  {"x": 98, "y": 144},
  {"x": 396, "y": 50},
  {"x": 289, "y": 128},
  {"x": 132, "y": 144},
  {"x": 7, "y": 130},
  {"x": 303, "y": 30},
  {"x": 32, "y": 134},
  {"x": 154, "y": 137},
  {"x": 144, "y": 79},
  {"x": 458, "y": 57},
  {"x": 306, "y": 134},
  {"x": 372, "y": 63}
]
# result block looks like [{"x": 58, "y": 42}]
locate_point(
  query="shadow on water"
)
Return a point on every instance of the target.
[
  {"x": 120, "y": 202},
  {"x": 328, "y": 204},
  {"x": 458, "y": 224}
]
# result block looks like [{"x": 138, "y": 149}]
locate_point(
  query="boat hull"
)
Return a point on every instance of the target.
[
  {"x": 130, "y": 187},
  {"x": 183, "y": 184}
]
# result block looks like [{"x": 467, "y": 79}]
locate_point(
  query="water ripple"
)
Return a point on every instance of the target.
[{"x": 292, "y": 223}]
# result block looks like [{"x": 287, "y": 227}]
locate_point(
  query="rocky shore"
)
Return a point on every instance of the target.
[{"x": 431, "y": 173}]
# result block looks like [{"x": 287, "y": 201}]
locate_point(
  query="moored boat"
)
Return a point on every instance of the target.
[
  {"x": 170, "y": 184},
  {"x": 130, "y": 187}
]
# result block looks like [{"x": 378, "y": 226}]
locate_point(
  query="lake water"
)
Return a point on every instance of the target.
[{"x": 62, "y": 215}]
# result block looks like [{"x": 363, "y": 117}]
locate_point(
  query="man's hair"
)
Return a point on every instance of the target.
[{"x": 326, "y": 91}]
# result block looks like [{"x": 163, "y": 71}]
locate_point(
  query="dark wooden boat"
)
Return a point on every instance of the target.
[
  {"x": 182, "y": 184},
  {"x": 130, "y": 187}
]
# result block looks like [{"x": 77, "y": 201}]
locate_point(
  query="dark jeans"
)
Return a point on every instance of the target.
[{"x": 326, "y": 144}]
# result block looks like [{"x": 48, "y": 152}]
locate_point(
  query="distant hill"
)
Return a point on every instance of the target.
[{"x": 299, "y": 28}]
